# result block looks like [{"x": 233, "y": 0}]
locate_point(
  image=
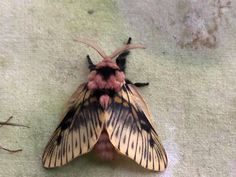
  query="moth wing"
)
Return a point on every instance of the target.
[
  {"x": 78, "y": 131},
  {"x": 131, "y": 131}
]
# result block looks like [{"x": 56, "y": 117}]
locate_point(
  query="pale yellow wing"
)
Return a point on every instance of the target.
[
  {"x": 78, "y": 131},
  {"x": 131, "y": 131}
]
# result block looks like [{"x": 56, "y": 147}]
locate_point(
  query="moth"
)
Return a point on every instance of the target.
[
  {"x": 107, "y": 114},
  {"x": 7, "y": 122}
]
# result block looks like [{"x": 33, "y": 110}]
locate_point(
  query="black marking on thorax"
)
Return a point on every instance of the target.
[
  {"x": 99, "y": 92},
  {"x": 106, "y": 72}
]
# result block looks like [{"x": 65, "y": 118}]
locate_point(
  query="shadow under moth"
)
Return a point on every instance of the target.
[
  {"x": 107, "y": 114},
  {"x": 7, "y": 122}
]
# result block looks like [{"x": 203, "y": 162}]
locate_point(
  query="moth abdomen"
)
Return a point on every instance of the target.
[{"x": 104, "y": 149}]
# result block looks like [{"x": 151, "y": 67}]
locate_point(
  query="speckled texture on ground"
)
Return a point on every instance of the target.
[{"x": 190, "y": 62}]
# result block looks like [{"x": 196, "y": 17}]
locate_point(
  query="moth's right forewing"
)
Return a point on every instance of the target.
[
  {"x": 78, "y": 130},
  {"x": 131, "y": 132}
]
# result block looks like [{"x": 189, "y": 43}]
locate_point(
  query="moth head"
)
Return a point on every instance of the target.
[
  {"x": 108, "y": 59},
  {"x": 107, "y": 73}
]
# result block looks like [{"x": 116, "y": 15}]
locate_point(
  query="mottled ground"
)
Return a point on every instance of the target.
[{"x": 190, "y": 62}]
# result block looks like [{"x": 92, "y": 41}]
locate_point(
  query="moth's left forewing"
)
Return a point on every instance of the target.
[
  {"x": 79, "y": 129},
  {"x": 131, "y": 130}
]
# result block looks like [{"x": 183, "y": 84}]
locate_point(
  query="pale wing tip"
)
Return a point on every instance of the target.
[
  {"x": 46, "y": 162},
  {"x": 156, "y": 170},
  {"x": 47, "y": 165}
]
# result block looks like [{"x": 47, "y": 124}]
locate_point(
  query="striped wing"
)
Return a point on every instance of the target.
[
  {"x": 131, "y": 131},
  {"x": 78, "y": 131}
]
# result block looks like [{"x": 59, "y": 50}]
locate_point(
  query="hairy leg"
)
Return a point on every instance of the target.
[
  {"x": 91, "y": 65},
  {"x": 121, "y": 59},
  {"x": 137, "y": 84}
]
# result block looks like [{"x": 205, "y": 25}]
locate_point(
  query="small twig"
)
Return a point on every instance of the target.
[
  {"x": 7, "y": 120},
  {"x": 9, "y": 150},
  {"x": 12, "y": 124}
]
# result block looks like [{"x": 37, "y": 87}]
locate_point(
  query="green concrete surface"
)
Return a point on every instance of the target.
[{"x": 190, "y": 62}]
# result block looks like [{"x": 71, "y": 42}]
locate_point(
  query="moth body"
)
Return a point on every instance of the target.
[
  {"x": 104, "y": 79},
  {"x": 107, "y": 114}
]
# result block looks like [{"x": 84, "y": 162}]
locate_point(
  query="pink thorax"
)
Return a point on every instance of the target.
[{"x": 115, "y": 82}]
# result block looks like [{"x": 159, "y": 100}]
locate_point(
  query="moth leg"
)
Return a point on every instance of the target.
[
  {"x": 121, "y": 59},
  {"x": 137, "y": 84},
  {"x": 91, "y": 65},
  {"x": 143, "y": 84}
]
